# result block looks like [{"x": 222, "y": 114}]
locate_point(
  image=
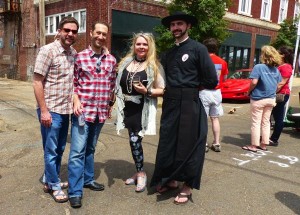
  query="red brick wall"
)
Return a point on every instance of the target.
[
  {"x": 96, "y": 11},
  {"x": 137, "y": 6},
  {"x": 256, "y": 9},
  {"x": 291, "y": 8},
  {"x": 234, "y": 7},
  {"x": 64, "y": 6},
  {"x": 28, "y": 40}
]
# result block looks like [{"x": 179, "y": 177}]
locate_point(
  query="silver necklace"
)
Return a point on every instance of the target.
[{"x": 131, "y": 74}]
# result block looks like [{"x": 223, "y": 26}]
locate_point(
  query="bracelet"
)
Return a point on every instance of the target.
[
  {"x": 111, "y": 103},
  {"x": 149, "y": 92}
]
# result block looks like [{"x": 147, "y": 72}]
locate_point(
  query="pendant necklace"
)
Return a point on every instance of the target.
[{"x": 131, "y": 74}]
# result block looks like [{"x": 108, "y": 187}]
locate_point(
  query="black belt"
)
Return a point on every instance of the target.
[{"x": 182, "y": 93}]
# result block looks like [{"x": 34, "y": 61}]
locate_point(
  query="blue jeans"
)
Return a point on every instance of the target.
[
  {"x": 278, "y": 115},
  {"x": 54, "y": 143},
  {"x": 81, "y": 159}
]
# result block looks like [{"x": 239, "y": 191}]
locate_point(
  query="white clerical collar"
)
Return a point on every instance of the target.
[{"x": 177, "y": 44}]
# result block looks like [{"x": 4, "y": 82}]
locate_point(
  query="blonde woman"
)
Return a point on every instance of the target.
[
  {"x": 140, "y": 80},
  {"x": 264, "y": 79}
]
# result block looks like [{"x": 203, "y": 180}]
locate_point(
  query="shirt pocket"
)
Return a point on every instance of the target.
[
  {"x": 88, "y": 69},
  {"x": 107, "y": 72},
  {"x": 86, "y": 75}
]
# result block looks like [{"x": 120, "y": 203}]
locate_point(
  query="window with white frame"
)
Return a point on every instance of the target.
[
  {"x": 283, "y": 10},
  {"x": 52, "y": 21},
  {"x": 266, "y": 6},
  {"x": 297, "y": 10},
  {"x": 245, "y": 7}
]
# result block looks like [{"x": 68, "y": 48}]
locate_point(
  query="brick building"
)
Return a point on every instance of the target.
[
  {"x": 253, "y": 23},
  {"x": 123, "y": 16}
]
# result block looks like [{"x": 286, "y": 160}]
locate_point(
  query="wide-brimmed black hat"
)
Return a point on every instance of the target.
[{"x": 179, "y": 15}]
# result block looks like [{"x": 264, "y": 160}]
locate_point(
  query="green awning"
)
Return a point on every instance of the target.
[
  {"x": 262, "y": 40},
  {"x": 238, "y": 39},
  {"x": 125, "y": 23}
]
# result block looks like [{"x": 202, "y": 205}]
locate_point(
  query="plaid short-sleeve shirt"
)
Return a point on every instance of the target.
[
  {"x": 57, "y": 66},
  {"x": 94, "y": 82}
]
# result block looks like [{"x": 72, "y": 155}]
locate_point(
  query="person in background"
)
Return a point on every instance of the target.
[
  {"x": 140, "y": 80},
  {"x": 52, "y": 83},
  {"x": 183, "y": 131},
  {"x": 94, "y": 82},
  {"x": 264, "y": 79},
  {"x": 286, "y": 70},
  {"x": 212, "y": 99}
]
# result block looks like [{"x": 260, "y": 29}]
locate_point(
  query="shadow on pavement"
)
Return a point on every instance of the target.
[
  {"x": 167, "y": 195},
  {"x": 120, "y": 169},
  {"x": 245, "y": 139},
  {"x": 290, "y": 200},
  {"x": 293, "y": 133}
]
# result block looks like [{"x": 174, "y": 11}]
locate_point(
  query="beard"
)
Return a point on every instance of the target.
[
  {"x": 179, "y": 33},
  {"x": 67, "y": 41}
]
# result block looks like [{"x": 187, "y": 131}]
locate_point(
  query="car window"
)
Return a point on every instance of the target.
[{"x": 240, "y": 75}]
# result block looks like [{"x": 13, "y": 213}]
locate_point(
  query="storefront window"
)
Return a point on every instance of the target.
[{"x": 236, "y": 57}]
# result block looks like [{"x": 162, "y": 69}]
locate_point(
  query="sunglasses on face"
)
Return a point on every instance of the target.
[{"x": 67, "y": 30}]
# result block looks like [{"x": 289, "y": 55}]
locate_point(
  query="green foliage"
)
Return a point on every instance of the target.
[
  {"x": 210, "y": 21},
  {"x": 287, "y": 34},
  {"x": 165, "y": 39}
]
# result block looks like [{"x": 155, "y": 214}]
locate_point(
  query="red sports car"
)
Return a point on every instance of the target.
[{"x": 237, "y": 85}]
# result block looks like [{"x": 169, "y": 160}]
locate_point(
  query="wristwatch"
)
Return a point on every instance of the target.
[{"x": 149, "y": 92}]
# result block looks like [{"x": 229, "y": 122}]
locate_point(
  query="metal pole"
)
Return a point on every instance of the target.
[
  {"x": 42, "y": 22},
  {"x": 294, "y": 65}
]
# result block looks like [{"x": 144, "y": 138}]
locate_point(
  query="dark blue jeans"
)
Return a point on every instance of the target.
[
  {"x": 54, "y": 143},
  {"x": 81, "y": 159},
  {"x": 278, "y": 115}
]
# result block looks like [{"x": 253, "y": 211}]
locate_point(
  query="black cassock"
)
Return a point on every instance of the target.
[{"x": 183, "y": 129}]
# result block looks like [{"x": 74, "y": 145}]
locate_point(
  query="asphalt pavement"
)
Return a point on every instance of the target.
[{"x": 234, "y": 181}]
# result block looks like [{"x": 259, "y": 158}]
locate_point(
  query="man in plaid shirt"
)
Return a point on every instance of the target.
[
  {"x": 94, "y": 83},
  {"x": 53, "y": 87}
]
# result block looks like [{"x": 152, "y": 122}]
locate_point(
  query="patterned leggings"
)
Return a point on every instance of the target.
[{"x": 137, "y": 150}]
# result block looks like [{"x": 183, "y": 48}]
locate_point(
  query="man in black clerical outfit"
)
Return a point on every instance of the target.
[{"x": 183, "y": 130}]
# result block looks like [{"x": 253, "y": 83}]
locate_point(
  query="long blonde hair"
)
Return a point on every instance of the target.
[
  {"x": 270, "y": 56},
  {"x": 151, "y": 58}
]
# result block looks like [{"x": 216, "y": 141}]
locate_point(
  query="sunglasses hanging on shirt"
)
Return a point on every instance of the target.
[{"x": 98, "y": 68}]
